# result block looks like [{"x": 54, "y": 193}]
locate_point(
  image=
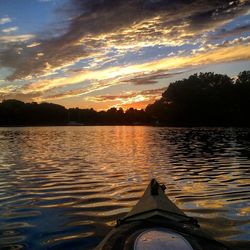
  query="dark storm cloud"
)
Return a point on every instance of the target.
[{"x": 100, "y": 24}]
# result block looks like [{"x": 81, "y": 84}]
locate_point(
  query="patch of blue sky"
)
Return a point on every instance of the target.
[
  {"x": 158, "y": 52},
  {"x": 31, "y": 16},
  {"x": 230, "y": 37},
  {"x": 231, "y": 68},
  {"x": 5, "y": 72},
  {"x": 237, "y": 22},
  {"x": 80, "y": 65}
]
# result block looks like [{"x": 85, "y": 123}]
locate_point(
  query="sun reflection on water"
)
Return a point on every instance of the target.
[{"x": 66, "y": 186}]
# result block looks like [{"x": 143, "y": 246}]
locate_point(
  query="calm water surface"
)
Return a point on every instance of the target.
[{"x": 64, "y": 187}]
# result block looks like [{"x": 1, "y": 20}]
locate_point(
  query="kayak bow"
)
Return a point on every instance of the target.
[{"x": 155, "y": 223}]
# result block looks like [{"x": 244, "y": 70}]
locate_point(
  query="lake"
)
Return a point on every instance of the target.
[{"x": 65, "y": 187}]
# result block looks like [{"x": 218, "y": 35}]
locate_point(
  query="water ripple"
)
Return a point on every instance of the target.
[{"x": 64, "y": 187}]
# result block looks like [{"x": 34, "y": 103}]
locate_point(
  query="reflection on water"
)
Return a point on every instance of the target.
[{"x": 64, "y": 187}]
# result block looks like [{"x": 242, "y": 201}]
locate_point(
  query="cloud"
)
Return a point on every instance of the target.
[
  {"x": 65, "y": 94},
  {"x": 96, "y": 80},
  {"x": 224, "y": 44},
  {"x": 10, "y": 29},
  {"x": 97, "y": 26},
  {"x": 136, "y": 99},
  {"x": 55, "y": 89},
  {"x": 105, "y": 78},
  {"x": 11, "y": 92},
  {"x": 151, "y": 78},
  {"x": 5, "y": 20},
  {"x": 14, "y": 39},
  {"x": 34, "y": 44},
  {"x": 156, "y": 93}
]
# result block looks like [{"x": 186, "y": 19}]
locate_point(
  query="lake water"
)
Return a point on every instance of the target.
[{"x": 64, "y": 187}]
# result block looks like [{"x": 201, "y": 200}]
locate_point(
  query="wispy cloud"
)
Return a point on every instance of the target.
[
  {"x": 151, "y": 78},
  {"x": 15, "y": 39},
  {"x": 34, "y": 44},
  {"x": 5, "y": 20},
  {"x": 127, "y": 96},
  {"x": 136, "y": 99},
  {"x": 10, "y": 29}
]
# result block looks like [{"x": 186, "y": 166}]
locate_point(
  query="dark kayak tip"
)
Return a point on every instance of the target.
[{"x": 156, "y": 223}]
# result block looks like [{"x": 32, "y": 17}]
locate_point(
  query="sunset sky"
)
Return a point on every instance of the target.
[{"x": 122, "y": 53}]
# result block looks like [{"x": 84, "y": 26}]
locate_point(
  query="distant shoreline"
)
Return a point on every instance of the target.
[
  {"x": 124, "y": 125},
  {"x": 202, "y": 100}
]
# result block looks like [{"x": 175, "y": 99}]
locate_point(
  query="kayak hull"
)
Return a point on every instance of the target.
[{"x": 154, "y": 212}]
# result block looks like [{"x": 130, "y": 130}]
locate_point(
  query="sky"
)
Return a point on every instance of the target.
[{"x": 116, "y": 53}]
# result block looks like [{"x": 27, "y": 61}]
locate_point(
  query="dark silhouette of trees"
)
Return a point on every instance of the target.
[
  {"x": 242, "y": 98},
  {"x": 205, "y": 99},
  {"x": 109, "y": 117},
  {"x": 136, "y": 116},
  {"x": 13, "y": 112},
  {"x": 82, "y": 116}
]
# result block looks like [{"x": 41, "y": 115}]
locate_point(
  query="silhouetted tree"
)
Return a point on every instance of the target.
[
  {"x": 14, "y": 112},
  {"x": 204, "y": 99}
]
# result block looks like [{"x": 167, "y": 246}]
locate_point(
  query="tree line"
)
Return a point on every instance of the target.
[
  {"x": 18, "y": 113},
  {"x": 204, "y": 99}
]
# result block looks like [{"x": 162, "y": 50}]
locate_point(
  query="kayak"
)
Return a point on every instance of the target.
[{"x": 156, "y": 223}]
